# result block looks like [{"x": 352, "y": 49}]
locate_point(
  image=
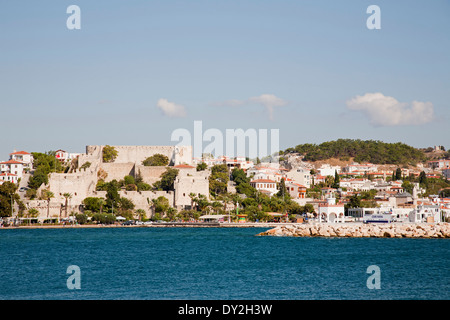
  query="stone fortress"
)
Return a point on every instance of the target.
[{"x": 81, "y": 183}]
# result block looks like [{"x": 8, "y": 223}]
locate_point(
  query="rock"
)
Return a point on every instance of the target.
[{"x": 439, "y": 230}]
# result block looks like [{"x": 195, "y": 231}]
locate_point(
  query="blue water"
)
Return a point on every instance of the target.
[{"x": 217, "y": 263}]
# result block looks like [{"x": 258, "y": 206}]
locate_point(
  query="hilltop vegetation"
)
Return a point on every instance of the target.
[{"x": 377, "y": 152}]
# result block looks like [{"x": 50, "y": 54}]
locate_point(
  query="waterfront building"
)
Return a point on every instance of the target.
[
  {"x": 330, "y": 211},
  {"x": 426, "y": 214}
]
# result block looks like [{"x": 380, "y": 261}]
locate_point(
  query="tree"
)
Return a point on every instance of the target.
[
  {"x": 336, "y": 182},
  {"x": 47, "y": 195},
  {"x": 112, "y": 194},
  {"x": 423, "y": 178},
  {"x": 8, "y": 196},
  {"x": 129, "y": 180},
  {"x": 218, "y": 180},
  {"x": 43, "y": 163},
  {"x": 398, "y": 174},
  {"x": 167, "y": 180},
  {"x": 67, "y": 196},
  {"x": 156, "y": 160},
  {"x": 171, "y": 213},
  {"x": 33, "y": 213},
  {"x": 202, "y": 166},
  {"x": 86, "y": 165},
  {"x": 354, "y": 202},
  {"x": 109, "y": 153},
  {"x": 126, "y": 204},
  {"x": 161, "y": 205},
  {"x": 408, "y": 186},
  {"x": 282, "y": 189},
  {"x": 141, "y": 214},
  {"x": 93, "y": 204}
]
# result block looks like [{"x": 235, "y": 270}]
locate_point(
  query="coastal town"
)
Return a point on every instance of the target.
[{"x": 140, "y": 185}]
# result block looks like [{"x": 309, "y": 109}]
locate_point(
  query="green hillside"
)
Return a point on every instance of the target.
[{"x": 377, "y": 152}]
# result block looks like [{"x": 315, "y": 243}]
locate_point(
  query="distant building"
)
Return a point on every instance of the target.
[
  {"x": 426, "y": 214},
  {"x": 8, "y": 177},
  {"x": 296, "y": 191},
  {"x": 12, "y": 167},
  {"x": 331, "y": 212},
  {"x": 64, "y": 156},
  {"x": 359, "y": 169},
  {"x": 446, "y": 173},
  {"x": 439, "y": 164},
  {"x": 22, "y": 156},
  {"x": 301, "y": 176},
  {"x": 267, "y": 185},
  {"x": 328, "y": 170}
]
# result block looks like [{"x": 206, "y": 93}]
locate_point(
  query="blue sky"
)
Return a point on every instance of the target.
[{"x": 214, "y": 60}]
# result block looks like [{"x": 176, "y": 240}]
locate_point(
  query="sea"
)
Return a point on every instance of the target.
[{"x": 140, "y": 263}]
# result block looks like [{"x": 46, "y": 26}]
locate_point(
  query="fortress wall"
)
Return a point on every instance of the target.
[
  {"x": 150, "y": 174},
  {"x": 143, "y": 199},
  {"x": 190, "y": 182},
  {"x": 93, "y": 155},
  {"x": 117, "y": 170},
  {"x": 56, "y": 208},
  {"x": 137, "y": 154},
  {"x": 80, "y": 185}
]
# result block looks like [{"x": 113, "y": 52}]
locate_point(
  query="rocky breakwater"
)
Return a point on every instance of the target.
[{"x": 392, "y": 230}]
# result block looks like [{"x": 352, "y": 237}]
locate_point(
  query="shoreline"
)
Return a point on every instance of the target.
[
  {"x": 277, "y": 229},
  {"x": 373, "y": 230},
  {"x": 154, "y": 225}
]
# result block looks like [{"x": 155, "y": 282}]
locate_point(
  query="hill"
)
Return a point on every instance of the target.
[{"x": 372, "y": 151}]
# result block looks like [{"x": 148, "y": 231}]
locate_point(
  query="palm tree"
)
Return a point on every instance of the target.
[
  {"x": 67, "y": 196},
  {"x": 194, "y": 199},
  {"x": 32, "y": 213},
  {"x": 216, "y": 206},
  {"x": 47, "y": 195},
  {"x": 102, "y": 202}
]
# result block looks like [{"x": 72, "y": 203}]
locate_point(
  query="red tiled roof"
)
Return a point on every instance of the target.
[
  {"x": 19, "y": 152},
  {"x": 263, "y": 181},
  {"x": 11, "y": 162},
  {"x": 183, "y": 166}
]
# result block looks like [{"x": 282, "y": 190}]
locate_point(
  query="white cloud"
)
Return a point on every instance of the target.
[
  {"x": 269, "y": 101},
  {"x": 388, "y": 111},
  {"x": 171, "y": 109}
]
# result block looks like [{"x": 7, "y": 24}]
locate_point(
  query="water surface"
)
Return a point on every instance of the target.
[{"x": 216, "y": 263}]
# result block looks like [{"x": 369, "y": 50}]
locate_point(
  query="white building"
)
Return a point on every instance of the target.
[
  {"x": 446, "y": 173},
  {"x": 8, "y": 177},
  {"x": 328, "y": 170},
  {"x": 64, "y": 156},
  {"x": 426, "y": 214},
  {"x": 358, "y": 184},
  {"x": 331, "y": 212},
  {"x": 22, "y": 156},
  {"x": 359, "y": 169},
  {"x": 301, "y": 176},
  {"x": 296, "y": 191},
  {"x": 13, "y": 167},
  {"x": 265, "y": 185}
]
